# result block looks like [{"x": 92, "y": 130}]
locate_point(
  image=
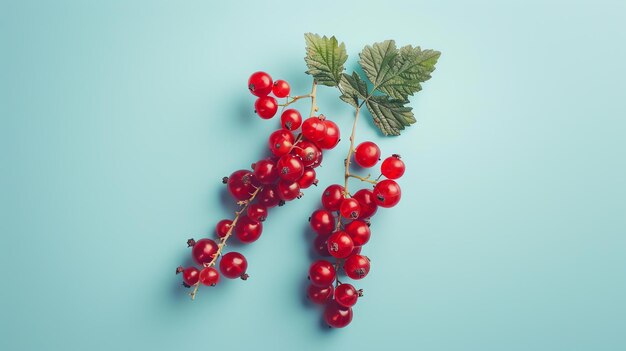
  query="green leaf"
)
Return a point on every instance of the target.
[
  {"x": 397, "y": 73},
  {"x": 379, "y": 61},
  {"x": 390, "y": 115},
  {"x": 353, "y": 87},
  {"x": 325, "y": 58}
]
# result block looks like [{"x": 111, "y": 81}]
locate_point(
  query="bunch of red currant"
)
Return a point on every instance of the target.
[
  {"x": 342, "y": 226},
  {"x": 270, "y": 182}
]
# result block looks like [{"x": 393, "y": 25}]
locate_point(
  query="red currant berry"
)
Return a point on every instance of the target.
[
  {"x": 319, "y": 294},
  {"x": 280, "y": 142},
  {"x": 346, "y": 295},
  {"x": 209, "y": 276},
  {"x": 320, "y": 245},
  {"x": 248, "y": 230},
  {"x": 322, "y": 222},
  {"x": 268, "y": 196},
  {"x": 260, "y": 83},
  {"x": 332, "y": 197},
  {"x": 288, "y": 190},
  {"x": 308, "y": 152},
  {"x": 366, "y": 154},
  {"x": 359, "y": 231},
  {"x": 392, "y": 167},
  {"x": 233, "y": 265},
  {"x": 387, "y": 193},
  {"x": 350, "y": 208},
  {"x": 337, "y": 316},
  {"x": 203, "y": 251},
  {"x": 281, "y": 88},
  {"x": 308, "y": 178},
  {"x": 240, "y": 184},
  {"x": 314, "y": 128},
  {"x": 340, "y": 244},
  {"x": 331, "y": 139},
  {"x": 290, "y": 167},
  {"x": 257, "y": 212},
  {"x": 291, "y": 119},
  {"x": 222, "y": 227},
  {"x": 266, "y": 107},
  {"x": 365, "y": 197},
  {"x": 357, "y": 266},
  {"x": 191, "y": 276},
  {"x": 322, "y": 273},
  {"x": 265, "y": 171}
]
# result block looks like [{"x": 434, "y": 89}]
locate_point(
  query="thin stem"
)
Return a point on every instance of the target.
[
  {"x": 224, "y": 239},
  {"x": 313, "y": 96},
  {"x": 294, "y": 99},
  {"x": 350, "y": 150},
  {"x": 364, "y": 179}
]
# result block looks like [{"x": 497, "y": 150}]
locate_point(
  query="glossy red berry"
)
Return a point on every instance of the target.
[
  {"x": 320, "y": 245},
  {"x": 322, "y": 273},
  {"x": 288, "y": 190},
  {"x": 209, "y": 276},
  {"x": 222, "y": 227},
  {"x": 260, "y": 83},
  {"x": 322, "y": 222},
  {"x": 240, "y": 184},
  {"x": 346, "y": 295},
  {"x": 359, "y": 231},
  {"x": 290, "y": 167},
  {"x": 314, "y": 129},
  {"x": 350, "y": 208},
  {"x": 191, "y": 276},
  {"x": 266, "y": 107},
  {"x": 265, "y": 171},
  {"x": 337, "y": 316},
  {"x": 203, "y": 251},
  {"x": 268, "y": 196},
  {"x": 319, "y": 294},
  {"x": 387, "y": 193},
  {"x": 392, "y": 167},
  {"x": 331, "y": 138},
  {"x": 366, "y": 154},
  {"x": 332, "y": 197},
  {"x": 365, "y": 197},
  {"x": 248, "y": 230},
  {"x": 356, "y": 266},
  {"x": 257, "y": 212},
  {"x": 280, "y": 142},
  {"x": 291, "y": 119},
  {"x": 234, "y": 265},
  {"x": 281, "y": 88},
  {"x": 340, "y": 244},
  {"x": 308, "y": 152},
  {"x": 308, "y": 178}
]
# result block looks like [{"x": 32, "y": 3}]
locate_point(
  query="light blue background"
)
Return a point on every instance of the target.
[{"x": 118, "y": 120}]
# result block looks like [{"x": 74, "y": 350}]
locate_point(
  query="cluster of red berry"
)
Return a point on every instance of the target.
[
  {"x": 343, "y": 235},
  {"x": 271, "y": 182}
]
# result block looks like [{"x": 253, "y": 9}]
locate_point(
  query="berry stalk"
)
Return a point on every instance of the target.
[{"x": 226, "y": 236}]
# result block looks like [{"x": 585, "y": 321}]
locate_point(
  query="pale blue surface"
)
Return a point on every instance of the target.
[{"x": 119, "y": 119}]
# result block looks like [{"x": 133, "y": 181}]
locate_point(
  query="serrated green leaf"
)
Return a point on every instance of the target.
[
  {"x": 325, "y": 58},
  {"x": 397, "y": 73},
  {"x": 353, "y": 88},
  {"x": 390, "y": 115},
  {"x": 379, "y": 61}
]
